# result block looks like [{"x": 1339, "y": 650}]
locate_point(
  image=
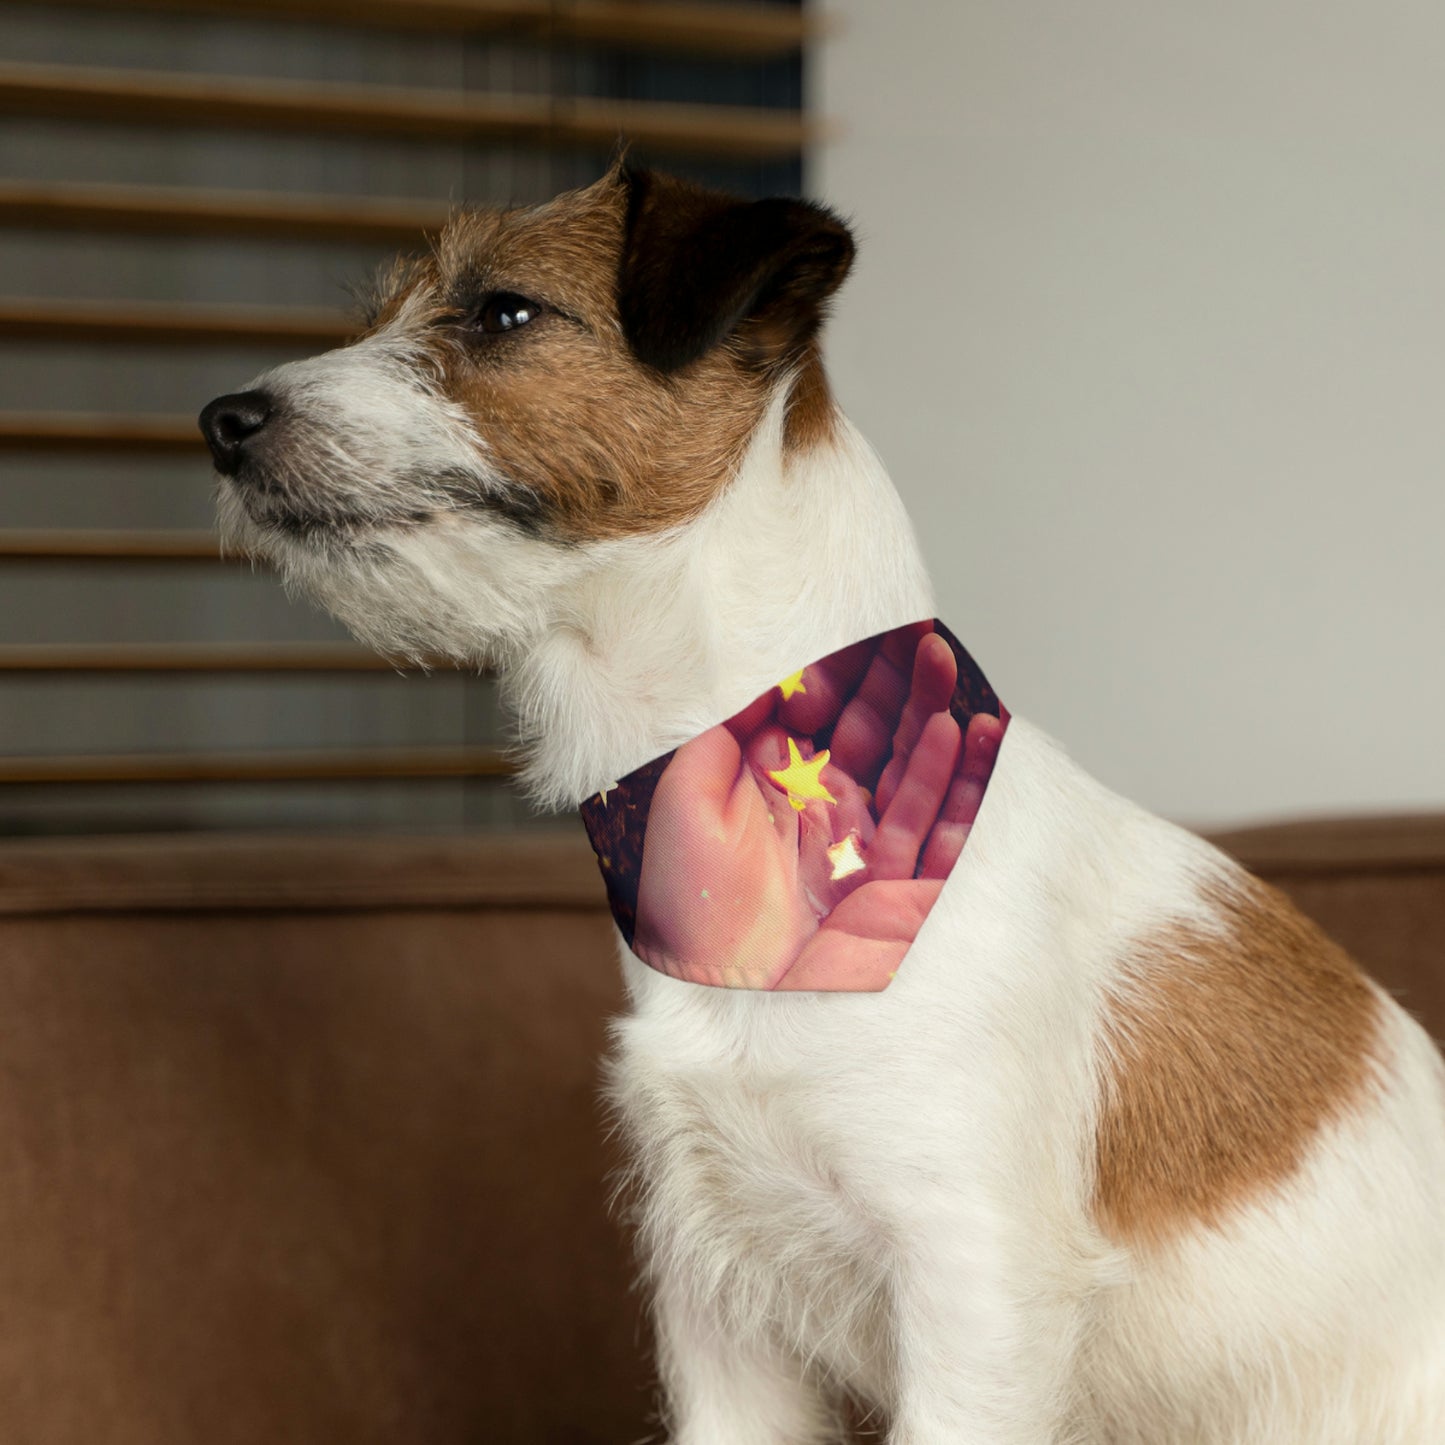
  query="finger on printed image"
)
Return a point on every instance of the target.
[{"x": 801, "y": 844}]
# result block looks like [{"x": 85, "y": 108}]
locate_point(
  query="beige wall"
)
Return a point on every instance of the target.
[{"x": 1149, "y": 324}]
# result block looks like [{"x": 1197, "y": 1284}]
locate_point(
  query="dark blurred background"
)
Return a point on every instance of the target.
[{"x": 124, "y": 131}]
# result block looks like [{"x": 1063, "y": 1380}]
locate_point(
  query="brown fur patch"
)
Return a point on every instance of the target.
[
  {"x": 597, "y": 443},
  {"x": 1228, "y": 1053},
  {"x": 700, "y": 266},
  {"x": 812, "y": 412}
]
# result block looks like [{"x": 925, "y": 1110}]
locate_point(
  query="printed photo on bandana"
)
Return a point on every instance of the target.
[{"x": 800, "y": 844}]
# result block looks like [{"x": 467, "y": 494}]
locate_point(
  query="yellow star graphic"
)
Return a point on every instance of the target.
[
  {"x": 792, "y": 683},
  {"x": 803, "y": 780}
]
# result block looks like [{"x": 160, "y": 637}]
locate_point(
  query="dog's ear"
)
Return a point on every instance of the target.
[{"x": 699, "y": 266}]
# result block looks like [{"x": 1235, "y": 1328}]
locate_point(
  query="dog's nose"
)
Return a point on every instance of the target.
[{"x": 229, "y": 422}]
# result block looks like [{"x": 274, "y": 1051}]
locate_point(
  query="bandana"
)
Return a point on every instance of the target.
[{"x": 800, "y": 844}]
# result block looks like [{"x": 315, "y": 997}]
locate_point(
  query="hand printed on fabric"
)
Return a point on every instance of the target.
[{"x": 801, "y": 844}]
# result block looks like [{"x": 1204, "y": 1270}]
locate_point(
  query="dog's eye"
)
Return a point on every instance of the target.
[{"x": 506, "y": 311}]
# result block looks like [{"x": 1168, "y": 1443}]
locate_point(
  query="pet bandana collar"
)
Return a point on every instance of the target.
[{"x": 800, "y": 844}]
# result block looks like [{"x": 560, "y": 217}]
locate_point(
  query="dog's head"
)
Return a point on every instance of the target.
[{"x": 546, "y": 382}]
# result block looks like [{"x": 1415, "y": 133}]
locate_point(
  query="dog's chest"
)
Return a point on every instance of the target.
[{"x": 748, "y": 1183}]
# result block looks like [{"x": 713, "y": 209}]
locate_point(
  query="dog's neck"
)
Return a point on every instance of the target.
[{"x": 663, "y": 637}]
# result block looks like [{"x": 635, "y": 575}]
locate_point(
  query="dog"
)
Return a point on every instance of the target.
[{"x": 1127, "y": 1153}]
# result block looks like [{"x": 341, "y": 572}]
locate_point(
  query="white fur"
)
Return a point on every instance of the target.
[{"x": 890, "y": 1193}]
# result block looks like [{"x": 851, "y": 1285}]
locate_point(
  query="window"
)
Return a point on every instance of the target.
[{"x": 188, "y": 192}]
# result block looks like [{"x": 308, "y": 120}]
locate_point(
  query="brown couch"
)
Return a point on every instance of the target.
[{"x": 299, "y": 1138}]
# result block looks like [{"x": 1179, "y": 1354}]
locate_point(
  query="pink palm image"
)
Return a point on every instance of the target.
[{"x": 772, "y": 863}]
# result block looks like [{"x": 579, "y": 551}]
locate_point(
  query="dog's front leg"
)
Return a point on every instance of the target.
[
  {"x": 722, "y": 1388},
  {"x": 985, "y": 1351}
]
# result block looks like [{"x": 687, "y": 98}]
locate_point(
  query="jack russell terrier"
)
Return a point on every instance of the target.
[{"x": 1056, "y": 1127}]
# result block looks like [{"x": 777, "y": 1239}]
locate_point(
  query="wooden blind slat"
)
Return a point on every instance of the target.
[
  {"x": 704, "y": 29},
  {"x": 753, "y": 31},
  {"x": 108, "y": 546},
  {"x": 268, "y": 767},
  {"x": 95, "y": 431},
  {"x": 176, "y": 211},
  {"x": 183, "y": 657},
  {"x": 160, "y": 98},
  {"x": 170, "y": 323}
]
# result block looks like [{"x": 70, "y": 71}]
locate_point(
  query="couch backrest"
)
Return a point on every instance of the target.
[{"x": 301, "y": 1143}]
